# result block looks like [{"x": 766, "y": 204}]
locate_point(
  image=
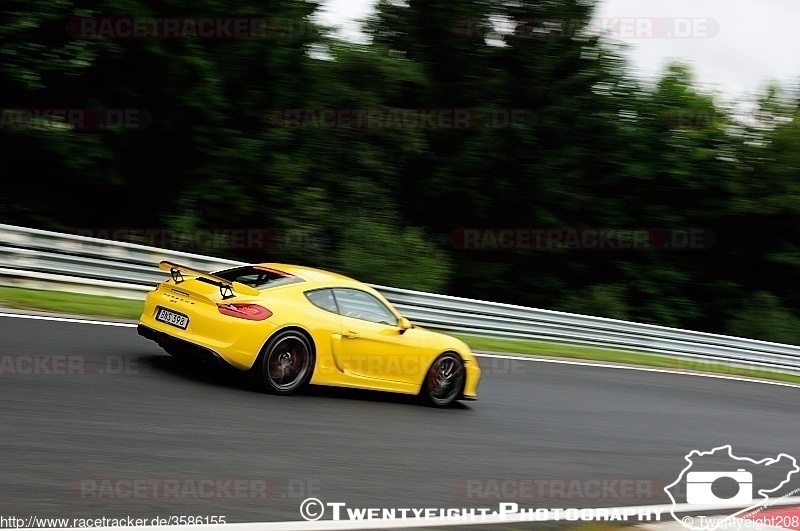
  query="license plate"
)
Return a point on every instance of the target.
[{"x": 172, "y": 318}]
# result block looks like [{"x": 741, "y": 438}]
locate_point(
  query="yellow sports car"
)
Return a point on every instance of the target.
[{"x": 294, "y": 325}]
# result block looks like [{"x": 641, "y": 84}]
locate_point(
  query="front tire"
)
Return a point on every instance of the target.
[
  {"x": 287, "y": 363},
  {"x": 444, "y": 381}
]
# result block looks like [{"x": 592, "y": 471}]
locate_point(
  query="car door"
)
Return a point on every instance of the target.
[
  {"x": 325, "y": 325},
  {"x": 373, "y": 346}
]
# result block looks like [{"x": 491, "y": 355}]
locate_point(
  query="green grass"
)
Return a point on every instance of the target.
[
  {"x": 101, "y": 306},
  {"x": 72, "y": 303}
]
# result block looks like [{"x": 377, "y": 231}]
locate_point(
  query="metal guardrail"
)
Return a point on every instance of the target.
[{"x": 51, "y": 260}]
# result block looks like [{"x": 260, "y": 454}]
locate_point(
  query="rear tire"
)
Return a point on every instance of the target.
[
  {"x": 287, "y": 363},
  {"x": 444, "y": 381}
]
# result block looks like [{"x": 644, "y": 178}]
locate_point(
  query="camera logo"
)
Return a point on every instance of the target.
[
  {"x": 735, "y": 486},
  {"x": 699, "y": 487}
]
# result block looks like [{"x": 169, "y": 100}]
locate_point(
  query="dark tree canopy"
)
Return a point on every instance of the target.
[{"x": 348, "y": 154}]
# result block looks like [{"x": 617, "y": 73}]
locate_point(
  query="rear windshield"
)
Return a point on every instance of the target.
[{"x": 258, "y": 277}]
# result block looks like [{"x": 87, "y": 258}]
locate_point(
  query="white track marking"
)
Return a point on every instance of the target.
[
  {"x": 36, "y": 317},
  {"x": 640, "y": 369},
  {"x": 489, "y": 519},
  {"x": 532, "y": 359}
]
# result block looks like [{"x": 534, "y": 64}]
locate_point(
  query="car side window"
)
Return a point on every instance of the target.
[
  {"x": 323, "y": 298},
  {"x": 362, "y": 305}
]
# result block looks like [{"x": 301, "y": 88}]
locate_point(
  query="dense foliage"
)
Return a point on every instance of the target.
[{"x": 590, "y": 147}]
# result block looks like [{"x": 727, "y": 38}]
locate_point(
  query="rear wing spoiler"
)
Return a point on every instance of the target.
[{"x": 227, "y": 288}]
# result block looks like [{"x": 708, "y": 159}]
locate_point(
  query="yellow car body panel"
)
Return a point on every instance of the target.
[{"x": 349, "y": 351}]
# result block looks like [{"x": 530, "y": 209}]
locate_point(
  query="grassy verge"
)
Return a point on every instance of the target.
[
  {"x": 100, "y": 306},
  {"x": 74, "y": 303}
]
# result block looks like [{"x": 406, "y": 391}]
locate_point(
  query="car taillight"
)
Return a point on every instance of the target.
[{"x": 254, "y": 312}]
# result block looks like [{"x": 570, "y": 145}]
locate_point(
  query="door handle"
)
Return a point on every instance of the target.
[{"x": 350, "y": 334}]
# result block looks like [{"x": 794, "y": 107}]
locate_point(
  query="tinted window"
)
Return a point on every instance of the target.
[
  {"x": 323, "y": 298},
  {"x": 258, "y": 277},
  {"x": 361, "y": 305}
]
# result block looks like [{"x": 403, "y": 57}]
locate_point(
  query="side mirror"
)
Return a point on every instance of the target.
[{"x": 403, "y": 324}]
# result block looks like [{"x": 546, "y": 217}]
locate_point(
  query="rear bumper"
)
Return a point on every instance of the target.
[
  {"x": 209, "y": 332},
  {"x": 181, "y": 347}
]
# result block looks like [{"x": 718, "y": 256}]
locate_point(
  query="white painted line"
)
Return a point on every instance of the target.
[
  {"x": 65, "y": 319},
  {"x": 533, "y": 359},
  {"x": 488, "y": 519},
  {"x": 640, "y": 369}
]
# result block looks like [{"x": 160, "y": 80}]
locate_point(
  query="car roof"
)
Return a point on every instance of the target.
[{"x": 311, "y": 274}]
